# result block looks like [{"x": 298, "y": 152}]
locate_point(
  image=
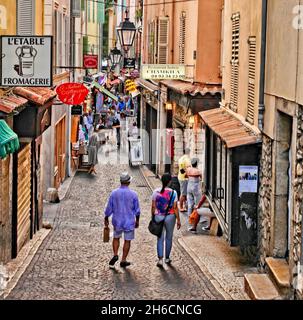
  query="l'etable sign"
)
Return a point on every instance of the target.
[
  {"x": 26, "y": 61},
  {"x": 163, "y": 71}
]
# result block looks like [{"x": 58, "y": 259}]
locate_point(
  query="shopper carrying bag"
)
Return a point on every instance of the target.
[{"x": 164, "y": 210}]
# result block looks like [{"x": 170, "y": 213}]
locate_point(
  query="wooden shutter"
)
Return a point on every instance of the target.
[
  {"x": 182, "y": 35},
  {"x": 251, "y": 79},
  {"x": 24, "y": 196},
  {"x": 234, "y": 92},
  {"x": 163, "y": 40},
  {"x": 26, "y": 17}
]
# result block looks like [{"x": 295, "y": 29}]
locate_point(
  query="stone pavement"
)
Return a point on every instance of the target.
[
  {"x": 221, "y": 264},
  {"x": 72, "y": 262}
]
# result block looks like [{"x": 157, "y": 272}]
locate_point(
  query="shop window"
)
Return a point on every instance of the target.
[{"x": 217, "y": 171}]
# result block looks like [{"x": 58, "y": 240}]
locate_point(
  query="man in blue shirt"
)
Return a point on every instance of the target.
[{"x": 123, "y": 206}]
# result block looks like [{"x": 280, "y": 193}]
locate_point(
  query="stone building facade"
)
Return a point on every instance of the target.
[{"x": 281, "y": 184}]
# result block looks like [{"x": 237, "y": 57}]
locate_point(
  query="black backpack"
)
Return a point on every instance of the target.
[{"x": 175, "y": 185}]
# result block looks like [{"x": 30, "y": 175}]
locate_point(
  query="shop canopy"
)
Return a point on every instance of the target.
[
  {"x": 105, "y": 91},
  {"x": 230, "y": 129},
  {"x": 9, "y": 142}
]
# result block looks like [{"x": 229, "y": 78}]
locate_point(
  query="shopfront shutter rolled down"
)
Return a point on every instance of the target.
[
  {"x": 163, "y": 26},
  {"x": 26, "y": 17}
]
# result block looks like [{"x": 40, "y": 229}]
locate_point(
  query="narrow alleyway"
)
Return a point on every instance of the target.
[{"x": 72, "y": 263}]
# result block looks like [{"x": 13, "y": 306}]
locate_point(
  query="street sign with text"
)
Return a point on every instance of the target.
[
  {"x": 90, "y": 61},
  {"x": 26, "y": 61},
  {"x": 72, "y": 93},
  {"x": 163, "y": 71},
  {"x": 129, "y": 63}
]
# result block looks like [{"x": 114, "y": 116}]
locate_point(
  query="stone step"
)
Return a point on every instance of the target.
[
  {"x": 279, "y": 270},
  {"x": 260, "y": 287},
  {"x": 214, "y": 227}
]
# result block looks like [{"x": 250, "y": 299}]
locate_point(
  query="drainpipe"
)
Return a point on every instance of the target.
[{"x": 261, "y": 106}]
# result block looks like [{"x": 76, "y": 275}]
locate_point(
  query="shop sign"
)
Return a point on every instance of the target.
[
  {"x": 26, "y": 61},
  {"x": 72, "y": 93},
  {"x": 163, "y": 71},
  {"x": 76, "y": 110},
  {"x": 90, "y": 61},
  {"x": 130, "y": 85},
  {"x": 129, "y": 63}
]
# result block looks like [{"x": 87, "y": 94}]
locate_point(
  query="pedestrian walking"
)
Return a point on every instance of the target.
[
  {"x": 123, "y": 206},
  {"x": 194, "y": 191},
  {"x": 165, "y": 208},
  {"x": 93, "y": 148},
  {"x": 184, "y": 163}
]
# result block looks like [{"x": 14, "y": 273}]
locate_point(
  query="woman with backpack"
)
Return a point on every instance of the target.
[{"x": 164, "y": 207}]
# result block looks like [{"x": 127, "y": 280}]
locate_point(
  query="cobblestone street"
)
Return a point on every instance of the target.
[{"x": 72, "y": 262}]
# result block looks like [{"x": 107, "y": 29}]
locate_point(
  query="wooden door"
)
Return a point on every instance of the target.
[
  {"x": 60, "y": 149},
  {"x": 23, "y": 196}
]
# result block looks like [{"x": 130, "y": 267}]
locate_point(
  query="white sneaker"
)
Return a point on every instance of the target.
[
  {"x": 168, "y": 261},
  {"x": 160, "y": 263}
]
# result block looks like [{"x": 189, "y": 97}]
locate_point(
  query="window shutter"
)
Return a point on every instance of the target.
[
  {"x": 251, "y": 79},
  {"x": 85, "y": 45},
  {"x": 25, "y": 17},
  {"x": 76, "y": 8},
  {"x": 235, "y": 62},
  {"x": 163, "y": 40},
  {"x": 182, "y": 35}
]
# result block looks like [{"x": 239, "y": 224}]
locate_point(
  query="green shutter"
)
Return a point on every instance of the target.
[
  {"x": 83, "y": 5},
  {"x": 88, "y": 12},
  {"x": 100, "y": 12},
  {"x": 85, "y": 44}
]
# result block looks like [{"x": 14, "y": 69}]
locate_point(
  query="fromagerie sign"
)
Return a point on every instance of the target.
[
  {"x": 26, "y": 61},
  {"x": 162, "y": 71}
]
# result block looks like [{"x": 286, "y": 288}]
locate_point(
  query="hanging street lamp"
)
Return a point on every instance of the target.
[
  {"x": 115, "y": 56},
  {"x": 126, "y": 32}
]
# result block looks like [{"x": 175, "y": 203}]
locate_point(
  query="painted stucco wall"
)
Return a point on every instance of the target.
[
  {"x": 250, "y": 25},
  {"x": 284, "y": 59},
  {"x": 208, "y": 41},
  {"x": 7, "y": 17}
]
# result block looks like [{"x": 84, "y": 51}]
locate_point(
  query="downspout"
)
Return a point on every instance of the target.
[{"x": 261, "y": 106}]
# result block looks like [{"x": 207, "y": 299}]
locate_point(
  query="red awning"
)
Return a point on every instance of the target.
[
  {"x": 9, "y": 103},
  {"x": 193, "y": 89},
  {"x": 230, "y": 129},
  {"x": 37, "y": 95}
]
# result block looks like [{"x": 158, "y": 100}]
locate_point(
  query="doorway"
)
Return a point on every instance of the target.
[
  {"x": 60, "y": 152},
  {"x": 283, "y": 188}
]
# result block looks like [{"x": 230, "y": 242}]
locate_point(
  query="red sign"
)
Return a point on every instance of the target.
[
  {"x": 72, "y": 93},
  {"x": 90, "y": 61}
]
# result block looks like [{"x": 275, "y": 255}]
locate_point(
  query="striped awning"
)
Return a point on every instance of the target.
[
  {"x": 105, "y": 91},
  {"x": 9, "y": 142},
  {"x": 230, "y": 129}
]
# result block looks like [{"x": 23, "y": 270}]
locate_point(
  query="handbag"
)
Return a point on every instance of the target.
[
  {"x": 194, "y": 218},
  {"x": 155, "y": 227},
  {"x": 106, "y": 231}
]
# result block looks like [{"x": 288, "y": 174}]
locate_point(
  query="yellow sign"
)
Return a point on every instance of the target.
[
  {"x": 163, "y": 71},
  {"x": 130, "y": 86}
]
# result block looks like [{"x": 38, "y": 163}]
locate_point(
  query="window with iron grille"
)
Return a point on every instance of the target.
[
  {"x": 252, "y": 50},
  {"x": 182, "y": 36},
  {"x": 234, "y": 83},
  {"x": 25, "y": 17}
]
